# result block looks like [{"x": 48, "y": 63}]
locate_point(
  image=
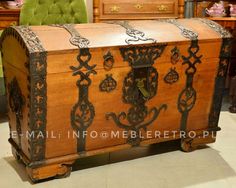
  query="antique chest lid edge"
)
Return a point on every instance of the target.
[
  {"x": 120, "y": 33},
  {"x": 125, "y": 33},
  {"x": 26, "y": 37}
]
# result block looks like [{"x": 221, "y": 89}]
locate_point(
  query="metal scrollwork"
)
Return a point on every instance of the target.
[
  {"x": 216, "y": 27},
  {"x": 108, "y": 61},
  {"x": 187, "y": 99},
  {"x": 172, "y": 76},
  {"x": 142, "y": 56},
  {"x": 82, "y": 113},
  {"x": 16, "y": 102},
  {"x": 76, "y": 39},
  {"x": 108, "y": 84},
  {"x": 186, "y": 32},
  {"x": 30, "y": 38},
  {"x": 188, "y": 95},
  {"x": 175, "y": 55},
  {"x": 140, "y": 86},
  {"x": 135, "y": 35}
]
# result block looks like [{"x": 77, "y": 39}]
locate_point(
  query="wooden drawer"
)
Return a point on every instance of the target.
[
  {"x": 137, "y": 8},
  {"x": 9, "y": 17},
  {"x": 7, "y": 23},
  {"x": 141, "y": 9}
]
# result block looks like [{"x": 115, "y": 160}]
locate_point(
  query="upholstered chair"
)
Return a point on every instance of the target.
[{"x": 44, "y": 12}]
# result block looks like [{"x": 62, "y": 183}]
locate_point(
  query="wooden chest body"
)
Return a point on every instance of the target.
[{"x": 81, "y": 90}]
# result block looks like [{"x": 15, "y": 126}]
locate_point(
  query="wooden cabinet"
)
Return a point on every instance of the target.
[
  {"x": 137, "y": 9},
  {"x": 8, "y": 17}
]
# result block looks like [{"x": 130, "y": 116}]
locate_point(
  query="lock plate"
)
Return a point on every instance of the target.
[{"x": 140, "y": 86}]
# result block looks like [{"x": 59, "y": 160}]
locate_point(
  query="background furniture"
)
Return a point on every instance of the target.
[
  {"x": 200, "y": 6},
  {"x": 189, "y": 10},
  {"x": 137, "y": 9},
  {"x": 36, "y": 12},
  {"x": 8, "y": 16}
]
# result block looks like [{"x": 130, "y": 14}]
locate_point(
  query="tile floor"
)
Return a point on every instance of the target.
[{"x": 157, "y": 166}]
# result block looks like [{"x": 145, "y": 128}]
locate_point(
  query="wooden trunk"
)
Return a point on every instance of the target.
[{"x": 80, "y": 90}]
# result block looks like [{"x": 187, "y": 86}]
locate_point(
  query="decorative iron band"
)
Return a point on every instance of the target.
[
  {"x": 16, "y": 103},
  {"x": 225, "y": 54},
  {"x": 30, "y": 38},
  {"x": 108, "y": 84},
  {"x": 186, "y": 32},
  {"x": 220, "y": 82},
  {"x": 188, "y": 95},
  {"x": 76, "y": 39},
  {"x": 216, "y": 27},
  {"x": 83, "y": 112},
  {"x": 142, "y": 56},
  {"x": 172, "y": 76},
  {"x": 134, "y": 34},
  {"x": 37, "y": 67},
  {"x": 27, "y": 38}
]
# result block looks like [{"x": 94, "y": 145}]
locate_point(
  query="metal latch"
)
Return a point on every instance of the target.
[
  {"x": 141, "y": 87},
  {"x": 141, "y": 78}
]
